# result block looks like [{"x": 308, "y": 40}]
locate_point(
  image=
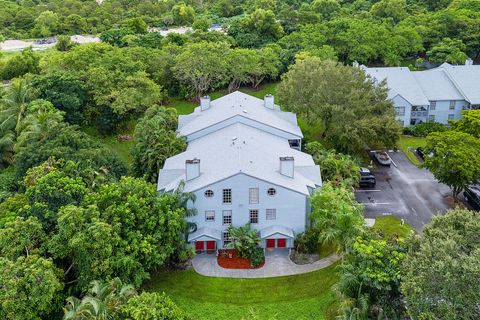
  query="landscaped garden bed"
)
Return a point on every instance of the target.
[{"x": 228, "y": 259}]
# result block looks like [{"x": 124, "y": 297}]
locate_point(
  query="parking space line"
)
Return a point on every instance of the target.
[
  {"x": 373, "y": 203},
  {"x": 367, "y": 190}
]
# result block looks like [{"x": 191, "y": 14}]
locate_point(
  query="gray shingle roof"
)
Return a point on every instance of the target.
[
  {"x": 253, "y": 152},
  {"x": 400, "y": 81},
  {"x": 271, "y": 230},
  {"x": 238, "y": 104},
  {"x": 446, "y": 82}
]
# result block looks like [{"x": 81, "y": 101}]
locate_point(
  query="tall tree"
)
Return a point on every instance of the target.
[
  {"x": 441, "y": 270},
  {"x": 353, "y": 111},
  {"x": 336, "y": 215},
  {"x": 155, "y": 141},
  {"x": 454, "y": 159},
  {"x": 202, "y": 66}
]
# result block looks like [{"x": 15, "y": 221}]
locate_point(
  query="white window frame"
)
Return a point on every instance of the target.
[
  {"x": 452, "y": 105},
  {"x": 227, "y": 238},
  {"x": 227, "y": 195},
  {"x": 400, "y": 111},
  {"x": 226, "y": 214},
  {"x": 253, "y": 196},
  {"x": 271, "y": 214},
  {"x": 433, "y": 105},
  {"x": 209, "y": 215},
  {"x": 451, "y": 116},
  {"x": 253, "y": 215}
]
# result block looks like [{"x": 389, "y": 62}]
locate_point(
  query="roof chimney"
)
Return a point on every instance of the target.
[
  {"x": 287, "y": 166},
  {"x": 192, "y": 169},
  {"x": 269, "y": 101},
  {"x": 468, "y": 62},
  {"x": 204, "y": 103}
]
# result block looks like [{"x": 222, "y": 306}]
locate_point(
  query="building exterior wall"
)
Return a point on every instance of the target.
[
  {"x": 290, "y": 205},
  {"x": 246, "y": 121},
  {"x": 398, "y": 102},
  {"x": 442, "y": 110}
]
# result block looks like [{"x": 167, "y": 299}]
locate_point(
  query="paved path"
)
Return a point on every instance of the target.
[{"x": 277, "y": 264}]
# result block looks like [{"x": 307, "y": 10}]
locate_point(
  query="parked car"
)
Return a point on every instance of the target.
[
  {"x": 382, "y": 158},
  {"x": 420, "y": 153},
  {"x": 367, "y": 179},
  {"x": 472, "y": 196}
]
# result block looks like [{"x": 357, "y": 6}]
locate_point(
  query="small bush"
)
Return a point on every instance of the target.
[
  {"x": 306, "y": 242},
  {"x": 424, "y": 129},
  {"x": 256, "y": 257}
]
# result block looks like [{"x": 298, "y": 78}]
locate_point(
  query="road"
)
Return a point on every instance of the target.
[{"x": 406, "y": 192}]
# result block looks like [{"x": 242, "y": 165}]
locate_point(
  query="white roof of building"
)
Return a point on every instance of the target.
[
  {"x": 241, "y": 105},
  {"x": 466, "y": 78},
  {"x": 240, "y": 149},
  {"x": 401, "y": 82},
  {"x": 271, "y": 230},
  {"x": 446, "y": 82},
  {"x": 205, "y": 232},
  {"x": 436, "y": 85}
]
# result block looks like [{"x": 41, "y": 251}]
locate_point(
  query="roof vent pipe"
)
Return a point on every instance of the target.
[
  {"x": 192, "y": 169},
  {"x": 468, "y": 62},
  {"x": 269, "y": 101},
  {"x": 287, "y": 165},
  {"x": 204, "y": 103}
]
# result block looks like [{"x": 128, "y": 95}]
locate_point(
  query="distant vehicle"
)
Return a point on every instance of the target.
[
  {"x": 367, "y": 179},
  {"x": 421, "y": 153},
  {"x": 472, "y": 196},
  {"x": 382, "y": 158}
]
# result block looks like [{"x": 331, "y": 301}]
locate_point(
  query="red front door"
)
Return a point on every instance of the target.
[
  {"x": 199, "y": 245},
  {"x": 270, "y": 243},
  {"x": 281, "y": 243},
  {"x": 210, "y": 245}
]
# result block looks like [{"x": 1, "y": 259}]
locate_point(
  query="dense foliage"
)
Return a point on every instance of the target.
[
  {"x": 440, "y": 275},
  {"x": 352, "y": 110},
  {"x": 246, "y": 242}
]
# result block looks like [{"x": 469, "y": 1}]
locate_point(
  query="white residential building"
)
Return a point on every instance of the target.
[
  {"x": 244, "y": 165},
  {"x": 438, "y": 94}
]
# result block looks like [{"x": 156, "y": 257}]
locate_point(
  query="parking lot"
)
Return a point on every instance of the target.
[{"x": 404, "y": 191}]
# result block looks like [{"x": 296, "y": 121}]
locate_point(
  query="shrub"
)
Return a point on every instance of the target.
[
  {"x": 307, "y": 242},
  {"x": 257, "y": 257},
  {"x": 424, "y": 129}
]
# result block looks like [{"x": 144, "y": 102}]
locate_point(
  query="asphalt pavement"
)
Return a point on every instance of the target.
[{"x": 405, "y": 191}]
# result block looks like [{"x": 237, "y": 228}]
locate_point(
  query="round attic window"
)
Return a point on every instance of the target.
[
  {"x": 209, "y": 193},
  {"x": 271, "y": 191}
]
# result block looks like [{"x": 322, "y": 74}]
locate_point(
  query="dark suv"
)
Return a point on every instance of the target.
[
  {"x": 367, "y": 179},
  {"x": 472, "y": 195}
]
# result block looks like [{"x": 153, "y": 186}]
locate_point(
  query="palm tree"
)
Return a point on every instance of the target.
[
  {"x": 13, "y": 105},
  {"x": 40, "y": 120},
  {"x": 7, "y": 140},
  {"x": 103, "y": 301}
]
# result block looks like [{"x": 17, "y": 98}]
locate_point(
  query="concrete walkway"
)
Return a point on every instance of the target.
[{"x": 277, "y": 264}]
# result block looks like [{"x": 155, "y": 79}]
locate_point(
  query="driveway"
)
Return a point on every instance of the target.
[
  {"x": 406, "y": 192},
  {"x": 277, "y": 264}
]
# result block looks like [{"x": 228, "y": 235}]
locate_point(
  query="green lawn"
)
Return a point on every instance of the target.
[
  {"x": 305, "y": 296},
  {"x": 390, "y": 226},
  {"x": 408, "y": 144}
]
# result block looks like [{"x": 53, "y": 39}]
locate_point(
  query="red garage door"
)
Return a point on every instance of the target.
[
  {"x": 270, "y": 243},
  {"x": 281, "y": 243},
  {"x": 199, "y": 245},
  {"x": 210, "y": 245}
]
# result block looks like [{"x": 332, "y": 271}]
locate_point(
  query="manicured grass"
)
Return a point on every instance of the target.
[
  {"x": 305, "y": 296},
  {"x": 408, "y": 145},
  {"x": 391, "y": 226}
]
